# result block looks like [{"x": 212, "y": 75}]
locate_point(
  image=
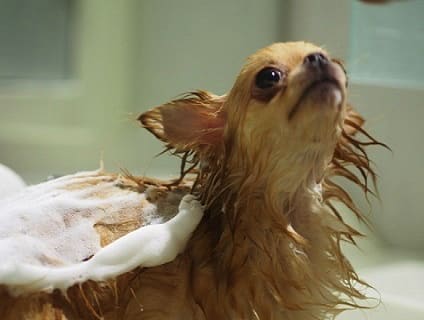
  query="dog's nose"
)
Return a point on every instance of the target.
[{"x": 315, "y": 60}]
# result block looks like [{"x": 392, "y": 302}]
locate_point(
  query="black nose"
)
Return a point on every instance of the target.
[{"x": 315, "y": 59}]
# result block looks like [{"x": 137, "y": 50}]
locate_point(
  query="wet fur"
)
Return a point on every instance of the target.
[{"x": 269, "y": 246}]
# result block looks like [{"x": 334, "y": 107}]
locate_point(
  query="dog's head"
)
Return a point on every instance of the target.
[{"x": 289, "y": 99}]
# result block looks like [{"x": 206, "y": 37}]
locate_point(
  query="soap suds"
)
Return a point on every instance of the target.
[
  {"x": 47, "y": 232},
  {"x": 10, "y": 182}
]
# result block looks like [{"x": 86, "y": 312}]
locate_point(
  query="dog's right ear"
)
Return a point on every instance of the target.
[{"x": 191, "y": 123}]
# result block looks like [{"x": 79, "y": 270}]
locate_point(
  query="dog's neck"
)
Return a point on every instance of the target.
[
  {"x": 276, "y": 182},
  {"x": 249, "y": 241}
]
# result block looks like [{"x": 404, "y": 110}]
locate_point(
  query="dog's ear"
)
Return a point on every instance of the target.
[
  {"x": 353, "y": 121},
  {"x": 193, "y": 122}
]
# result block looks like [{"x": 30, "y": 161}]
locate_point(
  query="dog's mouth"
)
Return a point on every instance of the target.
[{"x": 322, "y": 87}]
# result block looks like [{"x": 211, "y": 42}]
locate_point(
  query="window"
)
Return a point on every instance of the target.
[
  {"x": 35, "y": 40},
  {"x": 387, "y": 43}
]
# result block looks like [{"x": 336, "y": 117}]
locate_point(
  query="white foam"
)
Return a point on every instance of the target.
[
  {"x": 47, "y": 230},
  {"x": 10, "y": 182}
]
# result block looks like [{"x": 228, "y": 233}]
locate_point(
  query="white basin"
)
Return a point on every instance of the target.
[{"x": 401, "y": 287}]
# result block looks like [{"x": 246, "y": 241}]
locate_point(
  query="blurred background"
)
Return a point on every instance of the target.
[{"x": 74, "y": 75}]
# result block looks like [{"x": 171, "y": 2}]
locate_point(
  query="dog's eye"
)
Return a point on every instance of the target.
[{"x": 268, "y": 78}]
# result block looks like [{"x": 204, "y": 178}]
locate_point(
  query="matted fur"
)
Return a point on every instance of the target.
[
  {"x": 269, "y": 245},
  {"x": 287, "y": 264}
]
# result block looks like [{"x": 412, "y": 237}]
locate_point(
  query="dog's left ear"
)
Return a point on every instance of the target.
[
  {"x": 353, "y": 121},
  {"x": 192, "y": 123}
]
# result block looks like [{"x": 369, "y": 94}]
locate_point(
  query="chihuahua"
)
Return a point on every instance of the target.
[{"x": 261, "y": 160}]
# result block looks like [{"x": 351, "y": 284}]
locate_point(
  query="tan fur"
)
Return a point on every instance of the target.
[{"x": 268, "y": 246}]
